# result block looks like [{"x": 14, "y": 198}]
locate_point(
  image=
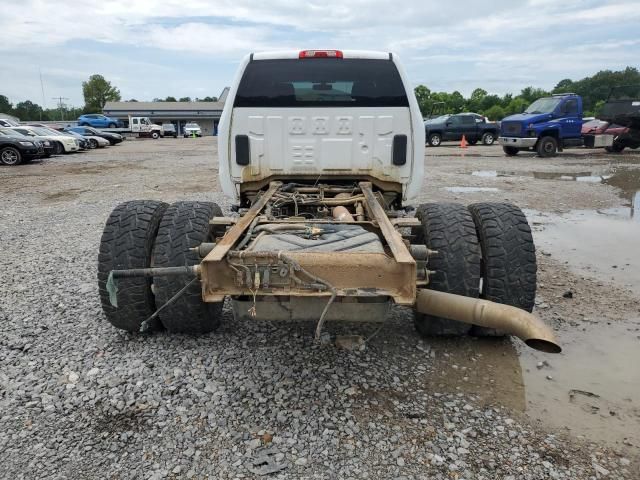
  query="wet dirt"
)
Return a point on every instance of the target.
[
  {"x": 627, "y": 180},
  {"x": 601, "y": 243},
  {"x": 591, "y": 389},
  {"x": 470, "y": 189},
  {"x": 582, "y": 228}
]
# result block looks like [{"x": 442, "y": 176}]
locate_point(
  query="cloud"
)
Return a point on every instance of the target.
[{"x": 180, "y": 47}]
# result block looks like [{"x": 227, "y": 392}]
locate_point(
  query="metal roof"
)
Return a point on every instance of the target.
[{"x": 163, "y": 106}]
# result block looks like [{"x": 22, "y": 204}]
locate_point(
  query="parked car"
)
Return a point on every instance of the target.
[
  {"x": 83, "y": 143},
  {"x": 98, "y": 120},
  {"x": 8, "y": 122},
  {"x": 47, "y": 146},
  {"x": 14, "y": 150},
  {"x": 61, "y": 144},
  {"x": 623, "y": 137},
  {"x": 169, "y": 130},
  {"x": 473, "y": 126},
  {"x": 91, "y": 140},
  {"x": 594, "y": 126},
  {"x": 113, "y": 138},
  {"x": 191, "y": 129}
]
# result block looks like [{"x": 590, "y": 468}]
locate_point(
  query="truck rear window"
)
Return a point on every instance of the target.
[{"x": 321, "y": 82}]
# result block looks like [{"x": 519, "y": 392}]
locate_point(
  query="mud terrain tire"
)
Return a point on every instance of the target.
[
  {"x": 508, "y": 257},
  {"x": 127, "y": 242},
  {"x": 547, "y": 147},
  {"x": 184, "y": 225},
  {"x": 449, "y": 229}
]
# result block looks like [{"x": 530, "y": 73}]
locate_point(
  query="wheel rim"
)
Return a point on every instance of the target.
[
  {"x": 488, "y": 139},
  {"x": 435, "y": 140},
  {"x": 548, "y": 147},
  {"x": 10, "y": 157}
]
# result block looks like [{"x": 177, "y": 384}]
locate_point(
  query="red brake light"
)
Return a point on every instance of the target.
[{"x": 320, "y": 54}]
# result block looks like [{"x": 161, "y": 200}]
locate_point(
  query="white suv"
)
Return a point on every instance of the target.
[{"x": 296, "y": 115}]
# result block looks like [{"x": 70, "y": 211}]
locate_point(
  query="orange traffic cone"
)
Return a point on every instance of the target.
[{"x": 463, "y": 142}]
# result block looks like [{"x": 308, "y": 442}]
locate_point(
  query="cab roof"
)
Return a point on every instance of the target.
[{"x": 295, "y": 54}]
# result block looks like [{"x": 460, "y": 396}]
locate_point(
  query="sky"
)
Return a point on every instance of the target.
[{"x": 192, "y": 47}]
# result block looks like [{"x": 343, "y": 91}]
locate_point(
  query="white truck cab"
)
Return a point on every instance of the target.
[
  {"x": 144, "y": 127},
  {"x": 321, "y": 114}
]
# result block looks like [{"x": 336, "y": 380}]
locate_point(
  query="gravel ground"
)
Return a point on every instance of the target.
[{"x": 79, "y": 399}]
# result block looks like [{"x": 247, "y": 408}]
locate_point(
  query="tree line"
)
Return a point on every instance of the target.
[
  {"x": 97, "y": 91},
  {"x": 594, "y": 91}
]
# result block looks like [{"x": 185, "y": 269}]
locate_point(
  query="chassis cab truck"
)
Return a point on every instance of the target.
[
  {"x": 322, "y": 153},
  {"x": 548, "y": 126},
  {"x": 144, "y": 127}
]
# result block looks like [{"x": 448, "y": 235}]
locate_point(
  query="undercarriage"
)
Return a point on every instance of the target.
[{"x": 335, "y": 251}]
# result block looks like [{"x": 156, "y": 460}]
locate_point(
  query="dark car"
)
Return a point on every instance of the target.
[
  {"x": 14, "y": 150},
  {"x": 169, "y": 130},
  {"x": 85, "y": 144},
  {"x": 113, "y": 138},
  {"x": 473, "y": 126},
  {"x": 47, "y": 146}
]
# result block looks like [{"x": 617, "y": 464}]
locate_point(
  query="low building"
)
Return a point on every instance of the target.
[{"x": 205, "y": 114}]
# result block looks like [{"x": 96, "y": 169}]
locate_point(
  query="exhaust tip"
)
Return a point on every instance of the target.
[{"x": 543, "y": 345}]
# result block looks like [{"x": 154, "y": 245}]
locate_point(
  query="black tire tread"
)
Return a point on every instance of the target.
[
  {"x": 449, "y": 229},
  {"x": 127, "y": 242},
  {"x": 508, "y": 257},
  {"x": 510, "y": 151},
  {"x": 185, "y": 225},
  {"x": 540, "y": 150},
  {"x": 20, "y": 155}
]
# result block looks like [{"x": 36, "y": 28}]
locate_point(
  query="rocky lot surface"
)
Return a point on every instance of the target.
[{"x": 79, "y": 399}]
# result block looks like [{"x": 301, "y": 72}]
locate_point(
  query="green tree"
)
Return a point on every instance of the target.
[
  {"x": 209, "y": 99},
  {"x": 185, "y": 99},
  {"x": 516, "y": 105},
  {"x": 489, "y": 101},
  {"x": 495, "y": 113},
  {"x": 423, "y": 95},
  {"x": 170, "y": 99},
  {"x": 474, "y": 104},
  {"x": 531, "y": 94},
  {"x": 97, "y": 91},
  {"x": 132, "y": 100},
  {"x": 28, "y": 110},
  {"x": 5, "y": 105}
]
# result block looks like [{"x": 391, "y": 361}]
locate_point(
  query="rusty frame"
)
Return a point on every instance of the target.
[{"x": 228, "y": 272}]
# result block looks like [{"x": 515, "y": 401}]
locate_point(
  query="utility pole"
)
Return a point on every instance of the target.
[
  {"x": 61, "y": 105},
  {"x": 42, "y": 88}
]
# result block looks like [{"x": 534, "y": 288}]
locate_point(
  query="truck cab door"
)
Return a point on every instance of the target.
[
  {"x": 570, "y": 119},
  {"x": 452, "y": 128},
  {"x": 468, "y": 127},
  {"x": 135, "y": 124}
]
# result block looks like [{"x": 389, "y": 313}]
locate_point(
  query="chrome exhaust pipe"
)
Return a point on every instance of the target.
[{"x": 529, "y": 328}]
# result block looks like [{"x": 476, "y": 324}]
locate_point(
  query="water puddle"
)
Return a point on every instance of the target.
[
  {"x": 471, "y": 189},
  {"x": 593, "y": 387},
  {"x": 604, "y": 244},
  {"x": 627, "y": 180}
]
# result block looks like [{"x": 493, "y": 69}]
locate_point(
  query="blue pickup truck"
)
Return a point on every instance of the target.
[{"x": 548, "y": 126}]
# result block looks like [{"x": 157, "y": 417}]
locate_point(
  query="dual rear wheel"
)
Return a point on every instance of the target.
[
  {"x": 148, "y": 233},
  {"x": 485, "y": 251}
]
